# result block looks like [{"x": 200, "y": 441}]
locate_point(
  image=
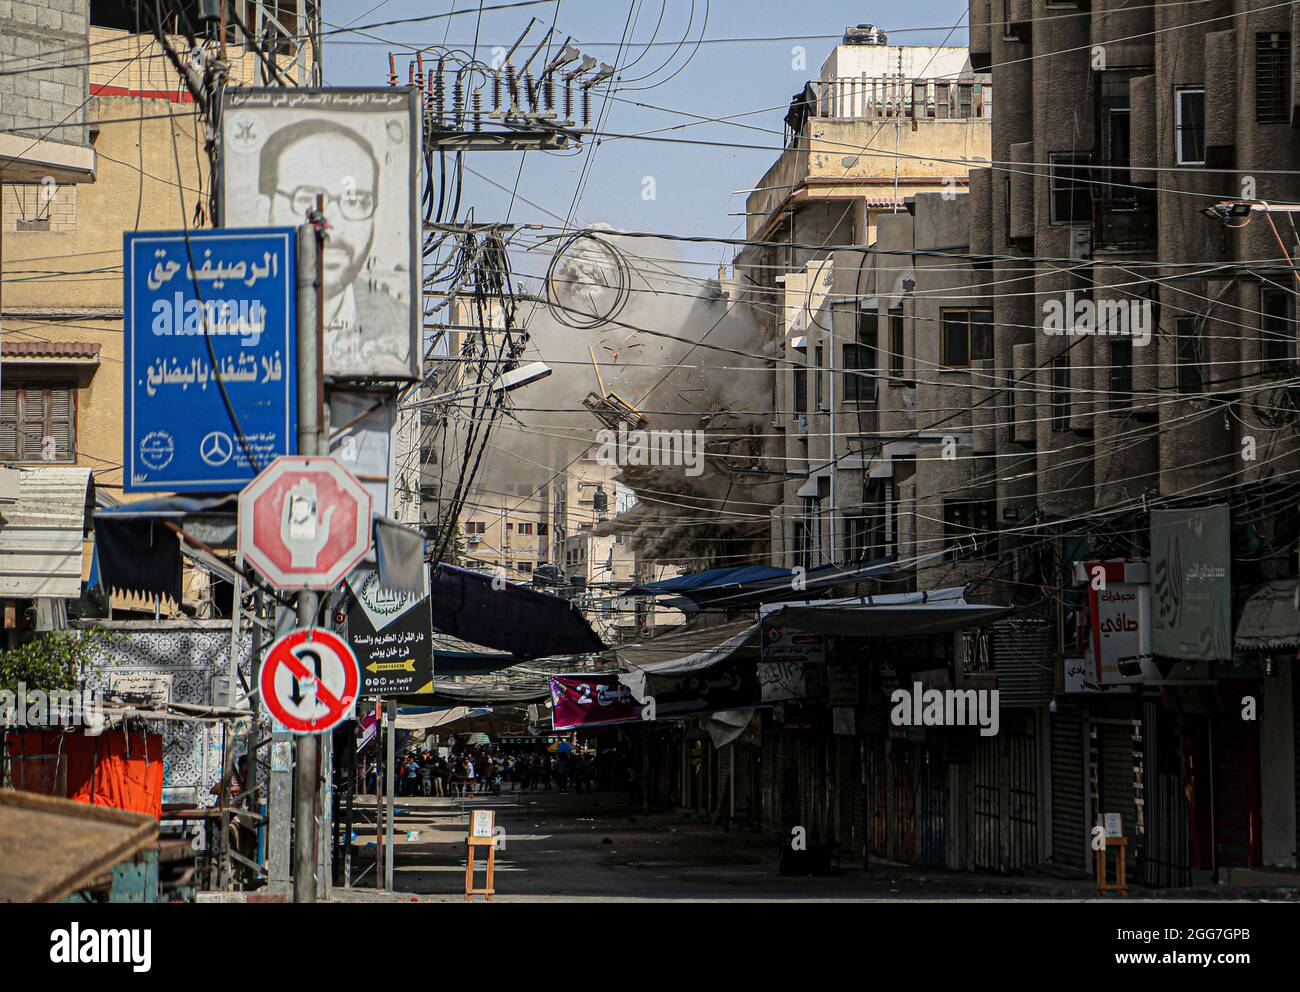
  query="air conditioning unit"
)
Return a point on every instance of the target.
[
  {"x": 803, "y": 425},
  {"x": 472, "y": 539}
]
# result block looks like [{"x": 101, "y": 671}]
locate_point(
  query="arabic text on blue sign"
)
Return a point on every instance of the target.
[{"x": 233, "y": 290}]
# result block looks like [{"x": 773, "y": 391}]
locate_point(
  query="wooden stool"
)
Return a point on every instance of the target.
[
  {"x": 1120, "y": 885},
  {"x": 491, "y": 844}
]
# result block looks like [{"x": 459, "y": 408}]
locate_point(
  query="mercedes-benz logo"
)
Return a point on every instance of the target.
[{"x": 216, "y": 448}]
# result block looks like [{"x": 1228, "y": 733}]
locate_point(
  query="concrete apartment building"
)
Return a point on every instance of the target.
[
  {"x": 1006, "y": 391},
  {"x": 881, "y": 124}
]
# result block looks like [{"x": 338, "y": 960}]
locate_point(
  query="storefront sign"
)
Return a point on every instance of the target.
[{"x": 1191, "y": 572}]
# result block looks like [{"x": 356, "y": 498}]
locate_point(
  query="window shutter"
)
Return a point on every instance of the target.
[
  {"x": 61, "y": 423},
  {"x": 31, "y": 414},
  {"x": 8, "y": 425}
]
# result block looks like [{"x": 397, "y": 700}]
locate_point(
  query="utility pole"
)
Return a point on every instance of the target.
[{"x": 313, "y": 439}]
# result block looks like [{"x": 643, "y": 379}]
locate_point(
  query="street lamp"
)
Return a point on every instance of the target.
[{"x": 504, "y": 383}]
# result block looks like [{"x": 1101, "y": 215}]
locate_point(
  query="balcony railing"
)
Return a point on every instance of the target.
[{"x": 892, "y": 97}]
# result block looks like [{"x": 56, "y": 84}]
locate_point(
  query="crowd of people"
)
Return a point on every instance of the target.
[{"x": 490, "y": 769}]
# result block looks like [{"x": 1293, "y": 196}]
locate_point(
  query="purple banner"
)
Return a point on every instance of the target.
[{"x": 591, "y": 701}]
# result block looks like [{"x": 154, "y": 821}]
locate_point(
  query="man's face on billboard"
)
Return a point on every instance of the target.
[{"x": 344, "y": 172}]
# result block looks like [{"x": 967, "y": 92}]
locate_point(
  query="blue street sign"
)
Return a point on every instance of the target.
[{"x": 207, "y": 309}]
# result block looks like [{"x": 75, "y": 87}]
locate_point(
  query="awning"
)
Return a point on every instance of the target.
[
  {"x": 447, "y": 663},
  {"x": 667, "y": 659},
  {"x": 42, "y": 535},
  {"x": 507, "y": 617},
  {"x": 446, "y": 692},
  {"x": 138, "y": 546},
  {"x": 749, "y": 584},
  {"x": 896, "y": 615},
  {"x": 1270, "y": 620},
  {"x": 429, "y": 718}
]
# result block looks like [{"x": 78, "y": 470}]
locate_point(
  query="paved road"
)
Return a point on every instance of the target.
[{"x": 580, "y": 847}]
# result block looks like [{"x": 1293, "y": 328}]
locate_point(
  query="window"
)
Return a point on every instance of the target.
[
  {"x": 1189, "y": 123},
  {"x": 859, "y": 373},
  {"x": 542, "y": 529},
  {"x": 817, "y": 372},
  {"x": 1273, "y": 77},
  {"x": 919, "y": 97},
  {"x": 801, "y": 389},
  {"x": 860, "y": 386},
  {"x": 965, "y": 93},
  {"x": 475, "y": 527},
  {"x": 941, "y": 107},
  {"x": 526, "y": 567},
  {"x": 1276, "y": 331},
  {"x": 525, "y": 528},
  {"x": 971, "y": 520},
  {"x": 967, "y": 336},
  {"x": 1121, "y": 375},
  {"x": 896, "y": 344},
  {"x": 1191, "y": 354},
  {"x": 864, "y": 526},
  {"x": 38, "y": 423},
  {"x": 1071, "y": 189},
  {"x": 1061, "y": 393}
]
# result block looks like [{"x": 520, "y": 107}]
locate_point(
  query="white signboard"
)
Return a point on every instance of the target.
[
  {"x": 360, "y": 150},
  {"x": 778, "y": 680},
  {"x": 482, "y": 825},
  {"x": 784, "y": 644},
  {"x": 1120, "y": 616}
]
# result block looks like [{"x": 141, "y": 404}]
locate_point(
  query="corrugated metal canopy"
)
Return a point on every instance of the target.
[{"x": 41, "y": 535}]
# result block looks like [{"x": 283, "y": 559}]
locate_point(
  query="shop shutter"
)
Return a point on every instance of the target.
[
  {"x": 1295, "y": 725},
  {"x": 1024, "y": 653},
  {"x": 1070, "y": 826},
  {"x": 1166, "y": 854},
  {"x": 987, "y": 803},
  {"x": 1232, "y": 757},
  {"x": 1117, "y": 755}
]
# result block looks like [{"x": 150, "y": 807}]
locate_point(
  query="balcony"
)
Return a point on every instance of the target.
[{"x": 892, "y": 97}]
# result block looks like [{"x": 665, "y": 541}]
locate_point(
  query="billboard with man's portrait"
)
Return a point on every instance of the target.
[{"x": 359, "y": 149}]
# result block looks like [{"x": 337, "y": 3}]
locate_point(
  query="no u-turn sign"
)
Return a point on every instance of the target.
[{"x": 309, "y": 681}]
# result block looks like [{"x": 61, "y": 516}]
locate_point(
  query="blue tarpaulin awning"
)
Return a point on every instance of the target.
[{"x": 749, "y": 584}]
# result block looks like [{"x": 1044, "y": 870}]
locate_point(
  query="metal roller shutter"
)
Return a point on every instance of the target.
[
  {"x": 1117, "y": 761},
  {"x": 1024, "y": 653},
  {"x": 1070, "y": 827},
  {"x": 1235, "y": 763}
]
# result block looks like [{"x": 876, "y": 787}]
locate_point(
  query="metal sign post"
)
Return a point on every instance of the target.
[{"x": 312, "y": 438}]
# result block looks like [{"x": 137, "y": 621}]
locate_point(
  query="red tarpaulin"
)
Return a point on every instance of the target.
[{"x": 116, "y": 769}]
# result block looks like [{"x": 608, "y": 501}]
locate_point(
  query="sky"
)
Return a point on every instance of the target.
[{"x": 641, "y": 185}]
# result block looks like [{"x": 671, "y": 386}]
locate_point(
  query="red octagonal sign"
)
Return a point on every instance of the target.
[{"x": 304, "y": 522}]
